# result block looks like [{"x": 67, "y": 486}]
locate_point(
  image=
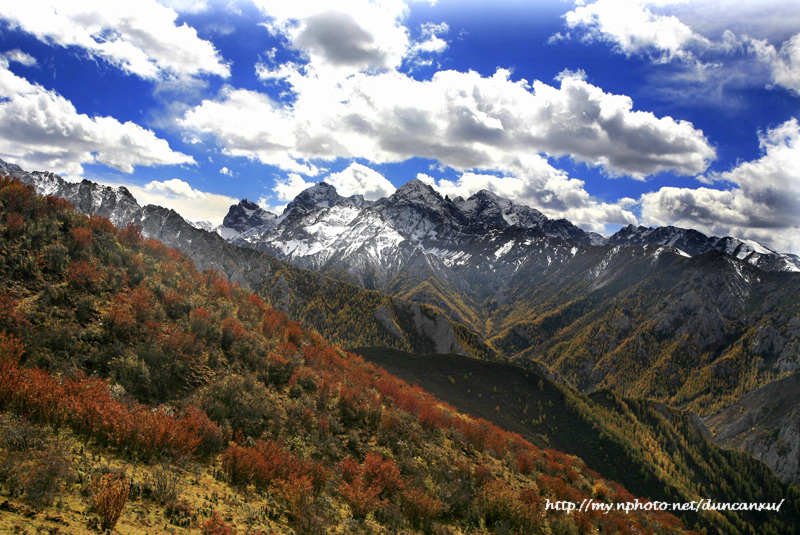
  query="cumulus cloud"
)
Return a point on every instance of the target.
[
  {"x": 429, "y": 43},
  {"x": 249, "y": 124},
  {"x": 174, "y": 188},
  {"x": 762, "y": 201},
  {"x": 40, "y": 129},
  {"x": 359, "y": 179},
  {"x": 463, "y": 120},
  {"x": 711, "y": 36},
  {"x": 225, "y": 171},
  {"x": 286, "y": 189},
  {"x": 349, "y": 36},
  {"x": 634, "y": 29},
  {"x": 141, "y": 37}
]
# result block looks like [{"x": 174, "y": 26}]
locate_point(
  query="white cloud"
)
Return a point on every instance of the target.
[
  {"x": 186, "y": 6},
  {"x": 463, "y": 120},
  {"x": 190, "y": 203},
  {"x": 784, "y": 64},
  {"x": 578, "y": 74},
  {"x": 174, "y": 188},
  {"x": 288, "y": 188},
  {"x": 359, "y": 179},
  {"x": 40, "y": 129},
  {"x": 762, "y": 203},
  {"x": 635, "y": 29},
  {"x": 226, "y": 171},
  {"x": 430, "y": 43},
  {"x": 712, "y": 37},
  {"x": 249, "y": 124},
  {"x": 20, "y": 57},
  {"x": 140, "y": 37},
  {"x": 345, "y": 36},
  {"x": 356, "y": 179}
]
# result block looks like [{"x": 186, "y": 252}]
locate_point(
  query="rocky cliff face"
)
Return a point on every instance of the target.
[{"x": 766, "y": 424}]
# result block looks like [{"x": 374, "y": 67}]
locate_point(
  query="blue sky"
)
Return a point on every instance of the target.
[{"x": 605, "y": 113}]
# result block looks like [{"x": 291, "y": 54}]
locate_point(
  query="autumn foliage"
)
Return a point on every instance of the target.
[
  {"x": 123, "y": 341},
  {"x": 109, "y": 497}
]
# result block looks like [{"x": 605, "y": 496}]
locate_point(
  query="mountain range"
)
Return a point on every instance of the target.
[
  {"x": 124, "y": 368},
  {"x": 667, "y": 314},
  {"x": 375, "y": 241}
]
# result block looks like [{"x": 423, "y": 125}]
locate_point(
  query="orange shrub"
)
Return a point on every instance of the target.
[
  {"x": 131, "y": 235},
  {"x": 81, "y": 237},
  {"x": 109, "y": 497},
  {"x": 216, "y": 526},
  {"x": 11, "y": 348}
]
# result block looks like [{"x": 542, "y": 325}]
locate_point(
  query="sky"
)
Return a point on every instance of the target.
[{"x": 606, "y": 113}]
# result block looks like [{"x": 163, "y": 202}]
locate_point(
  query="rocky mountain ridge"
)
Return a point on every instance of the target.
[{"x": 322, "y": 230}]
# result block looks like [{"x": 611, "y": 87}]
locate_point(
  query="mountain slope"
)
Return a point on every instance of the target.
[
  {"x": 766, "y": 424},
  {"x": 134, "y": 355},
  {"x": 646, "y": 320},
  {"x": 653, "y": 450}
]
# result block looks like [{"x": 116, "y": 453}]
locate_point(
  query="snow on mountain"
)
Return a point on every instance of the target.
[
  {"x": 117, "y": 204},
  {"x": 244, "y": 216},
  {"x": 202, "y": 225},
  {"x": 695, "y": 243},
  {"x": 458, "y": 240}
]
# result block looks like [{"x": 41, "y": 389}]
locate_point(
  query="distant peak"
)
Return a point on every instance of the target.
[
  {"x": 485, "y": 194},
  {"x": 417, "y": 192},
  {"x": 246, "y": 214},
  {"x": 250, "y": 205},
  {"x": 321, "y": 194}
]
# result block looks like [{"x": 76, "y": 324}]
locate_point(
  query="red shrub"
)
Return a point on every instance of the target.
[
  {"x": 101, "y": 224},
  {"x": 131, "y": 235},
  {"x": 83, "y": 274},
  {"x": 232, "y": 331},
  {"x": 272, "y": 322},
  {"x": 211, "y": 436},
  {"x": 366, "y": 487},
  {"x": 11, "y": 348},
  {"x": 86, "y": 405},
  {"x": 14, "y": 224},
  {"x": 17, "y": 197},
  {"x": 216, "y": 526},
  {"x": 294, "y": 492},
  {"x": 81, "y": 237},
  {"x": 420, "y": 507},
  {"x": 294, "y": 333}
]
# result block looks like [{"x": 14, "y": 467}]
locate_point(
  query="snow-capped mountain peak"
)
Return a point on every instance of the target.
[
  {"x": 321, "y": 195},
  {"x": 418, "y": 193},
  {"x": 247, "y": 215},
  {"x": 695, "y": 243}
]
